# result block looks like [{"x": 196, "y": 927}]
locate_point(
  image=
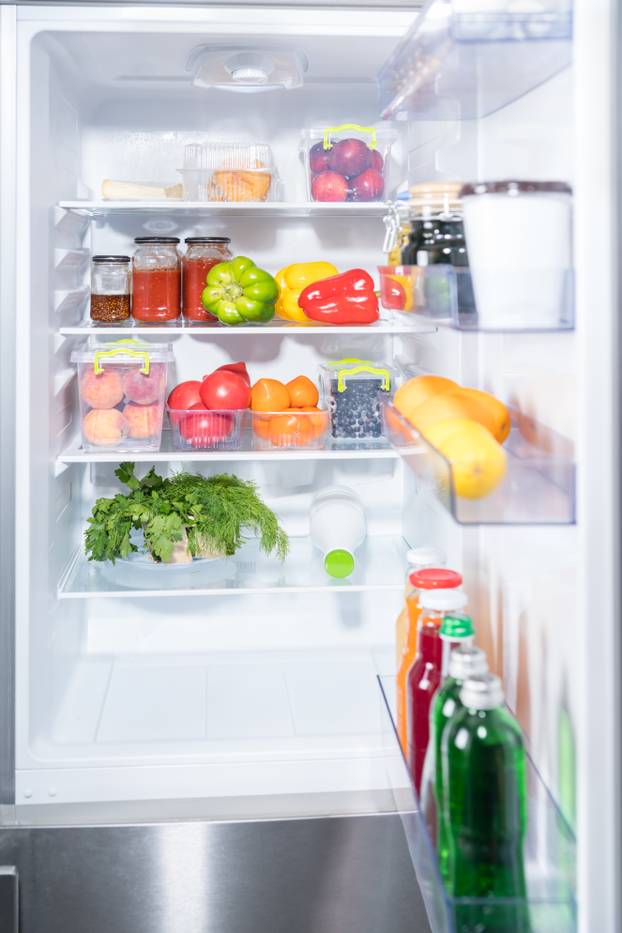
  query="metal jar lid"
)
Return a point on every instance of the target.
[
  {"x": 514, "y": 187},
  {"x": 110, "y": 259},
  {"x": 207, "y": 239},
  {"x": 156, "y": 239}
]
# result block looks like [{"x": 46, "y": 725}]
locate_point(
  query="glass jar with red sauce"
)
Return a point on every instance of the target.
[
  {"x": 202, "y": 253},
  {"x": 156, "y": 280}
]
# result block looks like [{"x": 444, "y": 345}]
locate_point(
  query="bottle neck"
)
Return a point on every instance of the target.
[{"x": 429, "y": 644}]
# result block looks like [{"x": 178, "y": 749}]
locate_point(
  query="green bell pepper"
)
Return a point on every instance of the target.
[{"x": 237, "y": 292}]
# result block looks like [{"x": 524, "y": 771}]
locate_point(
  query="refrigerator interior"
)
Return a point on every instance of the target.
[{"x": 256, "y": 696}]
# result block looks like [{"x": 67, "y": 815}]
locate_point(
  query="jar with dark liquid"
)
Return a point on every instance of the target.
[
  {"x": 437, "y": 238},
  {"x": 110, "y": 289}
]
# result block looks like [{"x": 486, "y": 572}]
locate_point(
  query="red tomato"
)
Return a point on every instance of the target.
[
  {"x": 224, "y": 389},
  {"x": 205, "y": 428},
  {"x": 185, "y": 395},
  {"x": 239, "y": 368}
]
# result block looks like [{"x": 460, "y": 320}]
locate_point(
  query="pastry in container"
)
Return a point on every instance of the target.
[{"x": 229, "y": 172}]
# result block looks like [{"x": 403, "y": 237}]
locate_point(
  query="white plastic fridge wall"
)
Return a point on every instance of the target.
[{"x": 245, "y": 705}]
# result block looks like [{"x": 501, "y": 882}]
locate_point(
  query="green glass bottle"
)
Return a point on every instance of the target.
[
  {"x": 456, "y": 631},
  {"x": 483, "y": 760},
  {"x": 464, "y": 662}
]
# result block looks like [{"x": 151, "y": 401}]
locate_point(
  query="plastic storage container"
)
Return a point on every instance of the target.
[
  {"x": 497, "y": 20},
  {"x": 229, "y": 172},
  {"x": 290, "y": 429},
  {"x": 206, "y": 430},
  {"x": 337, "y": 527},
  {"x": 110, "y": 289},
  {"x": 354, "y": 390},
  {"x": 347, "y": 162},
  {"x": 519, "y": 238},
  {"x": 122, "y": 387}
]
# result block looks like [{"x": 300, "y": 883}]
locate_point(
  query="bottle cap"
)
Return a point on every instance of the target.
[
  {"x": 457, "y": 628},
  {"x": 425, "y": 557},
  {"x": 443, "y": 600},
  {"x": 466, "y": 662},
  {"x": 483, "y": 692},
  {"x": 435, "y": 578},
  {"x": 339, "y": 563}
]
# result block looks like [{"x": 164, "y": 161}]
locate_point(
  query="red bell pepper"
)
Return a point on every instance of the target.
[{"x": 347, "y": 298}]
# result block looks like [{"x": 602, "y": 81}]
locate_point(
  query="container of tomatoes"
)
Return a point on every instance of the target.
[
  {"x": 292, "y": 428},
  {"x": 199, "y": 428},
  {"x": 210, "y": 414}
]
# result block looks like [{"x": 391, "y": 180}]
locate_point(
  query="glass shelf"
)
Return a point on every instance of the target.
[
  {"x": 443, "y": 296},
  {"x": 175, "y": 207},
  {"x": 335, "y": 450},
  {"x": 538, "y": 488},
  {"x": 389, "y": 323},
  {"x": 464, "y": 65},
  {"x": 381, "y": 565},
  {"x": 549, "y": 853}
]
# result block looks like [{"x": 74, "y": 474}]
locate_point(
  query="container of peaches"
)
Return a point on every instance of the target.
[{"x": 122, "y": 390}]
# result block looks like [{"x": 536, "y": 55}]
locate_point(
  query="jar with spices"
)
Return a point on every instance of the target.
[
  {"x": 156, "y": 275},
  {"x": 110, "y": 289},
  {"x": 437, "y": 238},
  {"x": 202, "y": 253}
]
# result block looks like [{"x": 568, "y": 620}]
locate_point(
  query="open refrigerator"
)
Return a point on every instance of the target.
[{"x": 252, "y": 692}]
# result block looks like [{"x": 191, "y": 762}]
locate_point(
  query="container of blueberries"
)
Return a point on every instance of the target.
[{"x": 354, "y": 390}]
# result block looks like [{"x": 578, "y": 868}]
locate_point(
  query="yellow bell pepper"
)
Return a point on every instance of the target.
[{"x": 292, "y": 280}]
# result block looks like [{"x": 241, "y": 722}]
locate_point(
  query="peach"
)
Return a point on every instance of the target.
[
  {"x": 104, "y": 390},
  {"x": 142, "y": 388},
  {"x": 105, "y": 427},
  {"x": 143, "y": 420}
]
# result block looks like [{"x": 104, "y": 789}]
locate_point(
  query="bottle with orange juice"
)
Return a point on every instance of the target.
[
  {"x": 431, "y": 578},
  {"x": 417, "y": 558}
]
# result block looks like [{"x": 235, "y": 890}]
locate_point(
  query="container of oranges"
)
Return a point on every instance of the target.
[{"x": 286, "y": 415}]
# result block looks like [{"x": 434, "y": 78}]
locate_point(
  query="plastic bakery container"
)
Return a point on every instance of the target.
[
  {"x": 122, "y": 388},
  {"x": 354, "y": 390},
  {"x": 347, "y": 162},
  {"x": 229, "y": 172},
  {"x": 206, "y": 429}
]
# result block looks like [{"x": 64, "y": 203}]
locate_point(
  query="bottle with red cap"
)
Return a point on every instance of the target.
[
  {"x": 425, "y": 675},
  {"x": 432, "y": 578}
]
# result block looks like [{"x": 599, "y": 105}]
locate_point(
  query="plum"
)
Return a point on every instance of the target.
[
  {"x": 375, "y": 160},
  {"x": 141, "y": 388},
  {"x": 368, "y": 186},
  {"x": 143, "y": 420},
  {"x": 104, "y": 427},
  {"x": 318, "y": 158},
  {"x": 349, "y": 157},
  {"x": 101, "y": 390},
  {"x": 329, "y": 186}
]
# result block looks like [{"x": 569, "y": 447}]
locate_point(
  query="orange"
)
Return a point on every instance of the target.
[
  {"x": 302, "y": 392},
  {"x": 450, "y": 405},
  {"x": 319, "y": 423},
  {"x": 269, "y": 395},
  {"x": 417, "y": 391},
  {"x": 261, "y": 425},
  {"x": 498, "y": 412},
  {"x": 290, "y": 430}
]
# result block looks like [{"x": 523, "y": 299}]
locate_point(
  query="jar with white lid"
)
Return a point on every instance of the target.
[{"x": 519, "y": 238}]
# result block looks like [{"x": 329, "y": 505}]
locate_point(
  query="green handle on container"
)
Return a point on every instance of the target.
[
  {"x": 349, "y": 126},
  {"x": 341, "y": 376},
  {"x": 122, "y": 350}
]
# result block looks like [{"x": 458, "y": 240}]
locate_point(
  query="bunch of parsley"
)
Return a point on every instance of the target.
[{"x": 211, "y": 513}]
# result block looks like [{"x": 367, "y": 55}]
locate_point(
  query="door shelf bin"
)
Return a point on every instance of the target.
[
  {"x": 455, "y": 64},
  {"x": 550, "y": 859},
  {"x": 444, "y": 295},
  {"x": 538, "y": 488}
]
